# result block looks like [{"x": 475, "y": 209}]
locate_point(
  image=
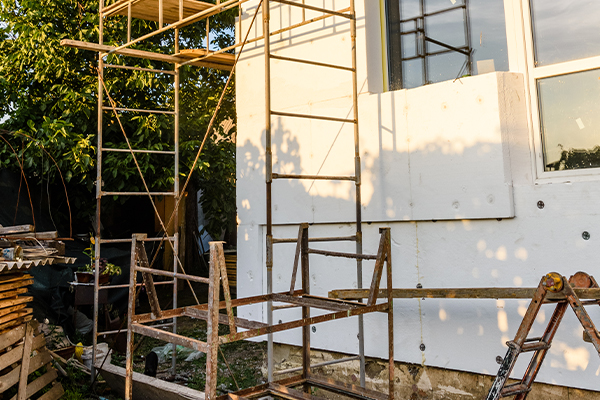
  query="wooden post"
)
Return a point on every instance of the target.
[
  {"x": 390, "y": 313},
  {"x": 27, "y": 347},
  {"x": 212, "y": 323}
]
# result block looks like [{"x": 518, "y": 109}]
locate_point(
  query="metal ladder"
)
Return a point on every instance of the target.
[
  {"x": 349, "y": 15},
  {"x": 552, "y": 288}
]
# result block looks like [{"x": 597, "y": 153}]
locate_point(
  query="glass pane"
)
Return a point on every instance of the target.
[
  {"x": 412, "y": 74},
  {"x": 488, "y": 34},
  {"x": 565, "y": 30},
  {"x": 570, "y": 120},
  {"x": 445, "y": 67}
]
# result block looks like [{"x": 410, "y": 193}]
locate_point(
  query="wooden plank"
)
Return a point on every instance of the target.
[
  {"x": 145, "y": 387},
  {"x": 225, "y": 58},
  {"x": 377, "y": 272},
  {"x": 12, "y": 293},
  {"x": 5, "y": 278},
  {"x": 16, "y": 229},
  {"x": 36, "y": 235},
  {"x": 27, "y": 348},
  {"x": 291, "y": 394},
  {"x": 11, "y": 324},
  {"x": 345, "y": 388},
  {"x": 11, "y": 337},
  {"x": 14, "y": 316},
  {"x": 169, "y": 337},
  {"x": 461, "y": 293},
  {"x": 39, "y": 383},
  {"x": 258, "y": 390},
  {"x": 16, "y": 354},
  {"x": 140, "y": 251},
  {"x": 9, "y": 310},
  {"x": 9, "y": 380},
  {"x": 15, "y": 301},
  {"x": 15, "y": 285},
  {"x": 148, "y": 55},
  {"x": 149, "y": 9},
  {"x": 55, "y": 393}
]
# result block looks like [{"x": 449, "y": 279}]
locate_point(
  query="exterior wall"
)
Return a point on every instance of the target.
[{"x": 447, "y": 166}]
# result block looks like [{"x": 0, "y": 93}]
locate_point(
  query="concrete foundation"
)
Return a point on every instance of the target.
[{"x": 414, "y": 381}]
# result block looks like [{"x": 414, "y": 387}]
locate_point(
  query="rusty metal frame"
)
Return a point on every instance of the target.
[
  {"x": 338, "y": 309},
  {"x": 564, "y": 296}
]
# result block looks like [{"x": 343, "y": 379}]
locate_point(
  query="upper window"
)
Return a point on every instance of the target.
[
  {"x": 431, "y": 41},
  {"x": 566, "y": 81}
]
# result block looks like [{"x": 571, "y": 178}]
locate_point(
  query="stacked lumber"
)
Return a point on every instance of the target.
[
  {"x": 39, "y": 248},
  {"x": 13, "y": 301},
  {"x": 22, "y": 352},
  {"x": 231, "y": 264}
]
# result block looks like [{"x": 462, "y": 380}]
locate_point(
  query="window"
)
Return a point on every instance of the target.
[
  {"x": 432, "y": 41},
  {"x": 565, "y": 82}
]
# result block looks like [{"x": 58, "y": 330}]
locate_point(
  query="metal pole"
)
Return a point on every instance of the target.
[
  {"x": 269, "y": 179},
  {"x": 423, "y": 41},
  {"x": 98, "y": 234},
  {"x": 468, "y": 38},
  {"x": 176, "y": 188},
  {"x": 130, "y": 313},
  {"x": 357, "y": 172}
]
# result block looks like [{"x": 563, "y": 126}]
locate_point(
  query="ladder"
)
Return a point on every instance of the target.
[
  {"x": 553, "y": 288},
  {"x": 348, "y": 15}
]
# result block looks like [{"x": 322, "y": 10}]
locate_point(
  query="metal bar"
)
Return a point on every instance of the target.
[
  {"x": 313, "y": 8},
  {"x": 390, "y": 314},
  {"x": 468, "y": 37},
  {"x": 129, "y": 240},
  {"x": 98, "y": 225},
  {"x": 175, "y": 216},
  {"x": 106, "y": 287},
  {"x": 123, "y": 330},
  {"x": 323, "y": 118},
  {"x": 226, "y": 292},
  {"x": 268, "y": 181},
  {"x": 169, "y": 337},
  {"x": 345, "y": 255},
  {"x": 129, "y": 21},
  {"x": 318, "y": 365},
  {"x": 223, "y": 319},
  {"x": 431, "y": 53},
  {"x": 305, "y": 269},
  {"x": 148, "y": 280},
  {"x": 351, "y": 238},
  {"x": 173, "y": 274},
  {"x": 320, "y": 64},
  {"x": 138, "y": 151},
  {"x": 357, "y": 183},
  {"x": 137, "y": 194},
  {"x": 314, "y": 177},
  {"x": 275, "y": 308},
  {"x": 105, "y": 108},
  {"x": 445, "y": 10},
  {"x": 457, "y": 49}
]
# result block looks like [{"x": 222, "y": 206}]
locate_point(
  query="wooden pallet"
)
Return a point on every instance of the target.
[
  {"x": 15, "y": 368},
  {"x": 13, "y": 303}
]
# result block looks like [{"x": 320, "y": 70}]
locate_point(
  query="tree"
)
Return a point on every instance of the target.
[{"x": 50, "y": 98}]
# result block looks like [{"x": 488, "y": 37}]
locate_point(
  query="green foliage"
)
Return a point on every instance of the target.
[{"x": 50, "y": 96}]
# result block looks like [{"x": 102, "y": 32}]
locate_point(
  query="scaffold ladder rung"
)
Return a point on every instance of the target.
[
  {"x": 314, "y": 177},
  {"x": 319, "y": 117},
  {"x": 319, "y": 64},
  {"x": 169, "y": 152}
]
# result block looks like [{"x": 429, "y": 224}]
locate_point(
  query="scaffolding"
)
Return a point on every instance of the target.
[{"x": 173, "y": 15}]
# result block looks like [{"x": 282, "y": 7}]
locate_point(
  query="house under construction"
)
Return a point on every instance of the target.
[{"x": 456, "y": 138}]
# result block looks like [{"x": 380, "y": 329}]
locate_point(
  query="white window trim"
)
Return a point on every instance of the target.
[{"x": 521, "y": 59}]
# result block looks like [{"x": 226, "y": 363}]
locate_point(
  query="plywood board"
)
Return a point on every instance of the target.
[{"x": 149, "y": 9}]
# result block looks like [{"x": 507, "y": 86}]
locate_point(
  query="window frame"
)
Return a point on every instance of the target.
[{"x": 521, "y": 58}]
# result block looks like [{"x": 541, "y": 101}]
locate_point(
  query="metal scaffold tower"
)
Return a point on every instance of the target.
[{"x": 172, "y": 15}]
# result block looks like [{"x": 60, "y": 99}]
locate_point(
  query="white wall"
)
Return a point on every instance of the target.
[{"x": 455, "y": 152}]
